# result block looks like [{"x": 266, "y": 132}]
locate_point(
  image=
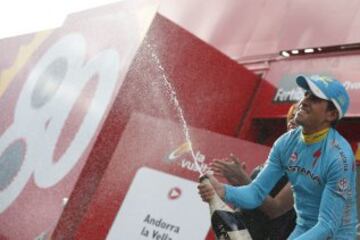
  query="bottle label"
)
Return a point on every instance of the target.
[{"x": 226, "y": 226}]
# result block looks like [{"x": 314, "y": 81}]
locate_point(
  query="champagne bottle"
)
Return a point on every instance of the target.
[{"x": 223, "y": 220}]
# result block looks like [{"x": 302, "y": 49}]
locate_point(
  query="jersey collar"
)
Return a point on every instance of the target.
[{"x": 314, "y": 137}]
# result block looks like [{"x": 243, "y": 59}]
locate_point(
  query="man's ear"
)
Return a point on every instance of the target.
[{"x": 332, "y": 115}]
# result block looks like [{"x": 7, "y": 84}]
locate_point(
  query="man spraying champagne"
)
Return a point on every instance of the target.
[{"x": 318, "y": 162}]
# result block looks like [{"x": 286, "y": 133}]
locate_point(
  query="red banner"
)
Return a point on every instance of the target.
[{"x": 57, "y": 86}]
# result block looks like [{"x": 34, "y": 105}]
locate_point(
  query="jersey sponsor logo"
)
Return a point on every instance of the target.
[
  {"x": 316, "y": 156},
  {"x": 342, "y": 156},
  {"x": 344, "y": 161},
  {"x": 344, "y": 189},
  {"x": 294, "y": 157},
  {"x": 305, "y": 172},
  {"x": 343, "y": 185},
  {"x": 347, "y": 212}
]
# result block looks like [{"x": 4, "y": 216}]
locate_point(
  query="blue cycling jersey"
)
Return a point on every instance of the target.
[{"x": 323, "y": 179}]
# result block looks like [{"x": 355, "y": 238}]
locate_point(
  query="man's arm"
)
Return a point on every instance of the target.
[
  {"x": 253, "y": 195},
  {"x": 234, "y": 171},
  {"x": 339, "y": 186},
  {"x": 280, "y": 204}
]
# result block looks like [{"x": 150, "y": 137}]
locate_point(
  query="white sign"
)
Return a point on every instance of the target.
[{"x": 161, "y": 206}]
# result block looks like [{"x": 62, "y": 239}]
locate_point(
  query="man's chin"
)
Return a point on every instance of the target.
[{"x": 299, "y": 121}]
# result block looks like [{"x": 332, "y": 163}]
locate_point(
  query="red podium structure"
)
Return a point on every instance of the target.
[
  {"x": 68, "y": 94},
  {"x": 212, "y": 90}
]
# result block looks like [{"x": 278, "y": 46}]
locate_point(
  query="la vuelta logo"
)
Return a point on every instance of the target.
[
  {"x": 182, "y": 156},
  {"x": 50, "y": 96}
]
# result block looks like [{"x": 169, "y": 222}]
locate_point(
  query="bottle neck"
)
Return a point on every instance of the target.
[{"x": 216, "y": 203}]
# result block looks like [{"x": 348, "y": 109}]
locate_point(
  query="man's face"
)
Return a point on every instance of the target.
[
  {"x": 312, "y": 112},
  {"x": 290, "y": 121}
]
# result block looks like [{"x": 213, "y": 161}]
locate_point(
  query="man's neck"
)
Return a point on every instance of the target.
[
  {"x": 315, "y": 136},
  {"x": 311, "y": 129}
]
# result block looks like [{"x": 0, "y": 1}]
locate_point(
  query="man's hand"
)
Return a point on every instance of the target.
[
  {"x": 231, "y": 169},
  {"x": 207, "y": 189}
]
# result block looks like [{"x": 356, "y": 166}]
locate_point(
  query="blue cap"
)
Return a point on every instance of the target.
[{"x": 327, "y": 88}]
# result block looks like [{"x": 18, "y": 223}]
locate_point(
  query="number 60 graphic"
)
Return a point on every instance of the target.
[{"x": 45, "y": 102}]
